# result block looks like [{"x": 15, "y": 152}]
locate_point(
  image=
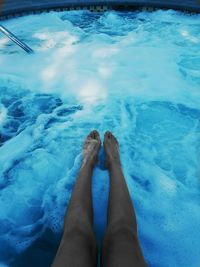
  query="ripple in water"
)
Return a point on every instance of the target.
[{"x": 136, "y": 74}]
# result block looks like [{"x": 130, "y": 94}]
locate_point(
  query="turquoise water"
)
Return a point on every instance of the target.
[{"x": 136, "y": 74}]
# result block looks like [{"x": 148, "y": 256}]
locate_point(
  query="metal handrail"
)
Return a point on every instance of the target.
[{"x": 12, "y": 37}]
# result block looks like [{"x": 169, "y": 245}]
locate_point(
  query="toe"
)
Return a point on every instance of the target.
[
  {"x": 96, "y": 134},
  {"x": 93, "y": 134},
  {"x": 111, "y": 136},
  {"x": 97, "y": 137},
  {"x": 107, "y": 135},
  {"x": 89, "y": 135},
  {"x": 115, "y": 139}
]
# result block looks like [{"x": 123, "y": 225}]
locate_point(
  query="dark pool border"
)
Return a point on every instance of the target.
[{"x": 23, "y": 7}]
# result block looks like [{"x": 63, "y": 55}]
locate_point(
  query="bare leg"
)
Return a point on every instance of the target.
[
  {"x": 121, "y": 245},
  {"x": 78, "y": 246}
]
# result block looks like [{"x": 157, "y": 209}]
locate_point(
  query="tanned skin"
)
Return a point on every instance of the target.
[{"x": 78, "y": 247}]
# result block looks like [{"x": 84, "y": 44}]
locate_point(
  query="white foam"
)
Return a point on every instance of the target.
[{"x": 136, "y": 74}]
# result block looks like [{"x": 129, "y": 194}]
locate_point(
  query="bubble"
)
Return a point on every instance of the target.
[{"x": 135, "y": 74}]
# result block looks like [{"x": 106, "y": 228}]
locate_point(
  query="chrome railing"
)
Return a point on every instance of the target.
[{"x": 12, "y": 37}]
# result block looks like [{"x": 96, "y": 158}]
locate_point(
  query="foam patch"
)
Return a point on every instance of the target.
[{"x": 136, "y": 74}]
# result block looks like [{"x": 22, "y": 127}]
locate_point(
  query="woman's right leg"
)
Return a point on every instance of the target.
[{"x": 121, "y": 246}]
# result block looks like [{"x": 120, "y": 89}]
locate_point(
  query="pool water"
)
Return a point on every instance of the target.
[{"x": 136, "y": 74}]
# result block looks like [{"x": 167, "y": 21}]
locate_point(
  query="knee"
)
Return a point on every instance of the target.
[
  {"x": 120, "y": 231},
  {"x": 82, "y": 231}
]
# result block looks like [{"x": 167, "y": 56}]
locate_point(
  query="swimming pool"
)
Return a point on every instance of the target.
[{"x": 136, "y": 74}]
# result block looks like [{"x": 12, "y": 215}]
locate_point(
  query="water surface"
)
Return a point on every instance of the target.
[{"x": 136, "y": 74}]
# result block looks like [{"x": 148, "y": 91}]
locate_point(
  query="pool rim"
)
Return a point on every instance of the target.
[{"x": 21, "y": 9}]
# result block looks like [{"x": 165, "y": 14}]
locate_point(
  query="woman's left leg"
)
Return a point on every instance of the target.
[{"x": 78, "y": 247}]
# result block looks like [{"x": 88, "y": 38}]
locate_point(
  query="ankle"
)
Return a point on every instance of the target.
[
  {"x": 114, "y": 163},
  {"x": 88, "y": 163}
]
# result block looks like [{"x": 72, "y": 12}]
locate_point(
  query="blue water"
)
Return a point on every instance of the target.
[{"x": 136, "y": 74}]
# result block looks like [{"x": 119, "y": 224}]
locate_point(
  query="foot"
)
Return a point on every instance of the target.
[
  {"x": 111, "y": 147},
  {"x": 91, "y": 148}
]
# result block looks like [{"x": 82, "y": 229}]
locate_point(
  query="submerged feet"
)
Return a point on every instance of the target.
[
  {"x": 92, "y": 145},
  {"x": 111, "y": 147},
  {"x": 91, "y": 148}
]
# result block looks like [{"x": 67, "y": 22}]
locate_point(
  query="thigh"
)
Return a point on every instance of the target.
[
  {"x": 78, "y": 248},
  {"x": 121, "y": 248}
]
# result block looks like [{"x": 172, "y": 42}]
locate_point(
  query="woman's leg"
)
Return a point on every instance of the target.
[
  {"x": 78, "y": 246},
  {"x": 121, "y": 245}
]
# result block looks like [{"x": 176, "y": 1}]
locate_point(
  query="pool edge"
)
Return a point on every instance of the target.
[{"x": 20, "y": 8}]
